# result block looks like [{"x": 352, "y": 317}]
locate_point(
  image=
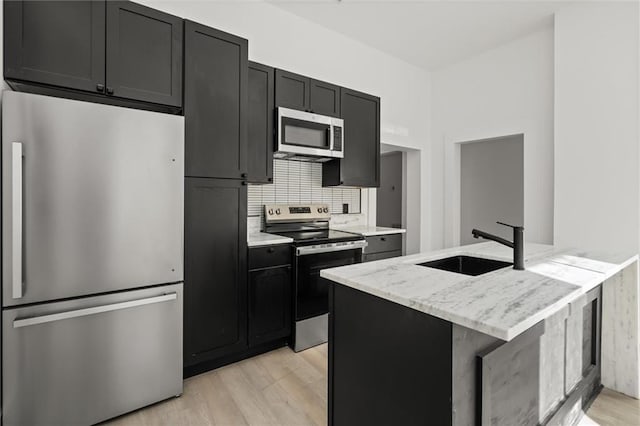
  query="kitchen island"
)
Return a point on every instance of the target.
[{"x": 411, "y": 344}]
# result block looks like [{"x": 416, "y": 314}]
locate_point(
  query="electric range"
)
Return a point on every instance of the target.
[{"x": 316, "y": 247}]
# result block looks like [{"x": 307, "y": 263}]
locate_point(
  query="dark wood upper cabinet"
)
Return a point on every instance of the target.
[
  {"x": 292, "y": 90},
  {"x": 260, "y": 123},
  {"x": 144, "y": 54},
  {"x": 215, "y": 278},
  {"x": 115, "y": 49},
  {"x": 59, "y": 43},
  {"x": 215, "y": 103},
  {"x": 325, "y": 98},
  {"x": 361, "y": 163},
  {"x": 296, "y": 91}
]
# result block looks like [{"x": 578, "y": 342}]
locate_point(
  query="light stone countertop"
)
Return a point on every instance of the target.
[
  {"x": 369, "y": 231},
  {"x": 502, "y": 303},
  {"x": 257, "y": 239}
]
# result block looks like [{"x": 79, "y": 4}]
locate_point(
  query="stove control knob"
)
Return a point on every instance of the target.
[
  {"x": 270, "y": 211},
  {"x": 319, "y": 209},
  {"x": 277, "y": 211},
  {"x": 326, "y": 210}
]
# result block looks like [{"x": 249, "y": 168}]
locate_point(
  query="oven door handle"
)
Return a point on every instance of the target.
[{"x": 357, "y": 245}]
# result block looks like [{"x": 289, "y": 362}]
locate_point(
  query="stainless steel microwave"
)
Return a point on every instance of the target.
[{"x": 308, "y": 137}]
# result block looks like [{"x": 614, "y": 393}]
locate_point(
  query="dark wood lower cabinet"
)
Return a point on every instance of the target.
[
  {"x": 215, "y": 296},
  {"x": 388, "y": 364},
  {"x": 382, "y": 247},
  {"x": 269, "y": 304}
]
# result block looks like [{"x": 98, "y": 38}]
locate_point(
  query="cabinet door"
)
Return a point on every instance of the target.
[
  {"x": 361, "y": 163},
  {"x": 379, "y": 256},
  {"x": 59, "y": 43},
  {"x": 260, "y": 123},
  {"x": 215, "y": 310},
  {"x": 325, "y": 98},
  {"x": 215, "y": 102},
  {"x": 144, "y": 54},
  {"x": 269, "y": 304},
  {"x": 292, "y": 90}
]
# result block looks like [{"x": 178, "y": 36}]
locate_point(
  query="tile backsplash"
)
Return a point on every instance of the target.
[{"x": 300, "y": 182}]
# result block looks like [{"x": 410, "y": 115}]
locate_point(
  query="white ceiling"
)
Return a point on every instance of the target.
[{"x": 429, "y": 34}]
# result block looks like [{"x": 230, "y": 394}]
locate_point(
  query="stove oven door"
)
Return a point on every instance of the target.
[{"x": 312, "y": 292}]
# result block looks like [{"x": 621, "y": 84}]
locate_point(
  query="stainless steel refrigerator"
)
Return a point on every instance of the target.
[{"x": 92, "y": 259}]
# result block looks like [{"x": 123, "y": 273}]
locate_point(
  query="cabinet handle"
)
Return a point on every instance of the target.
[
  {"x": 109, "y": 90},
  {"x": 100, "y": 88},
  {"x": 244, "y": 182},
  {"x": 243, "y": 175},
  {"x": 270, "y": 179},
  {"x": 25, "y": 322},
  {"x": 383, "y": 239}
]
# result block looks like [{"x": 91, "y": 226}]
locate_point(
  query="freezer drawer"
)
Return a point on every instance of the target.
[{"x": 87, "y": 360}]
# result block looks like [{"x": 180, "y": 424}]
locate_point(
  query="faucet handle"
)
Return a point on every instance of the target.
[{"x": 520, "y": 228}]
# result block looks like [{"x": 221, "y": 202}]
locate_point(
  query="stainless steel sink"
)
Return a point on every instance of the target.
[{"x": 467, "y": 265}]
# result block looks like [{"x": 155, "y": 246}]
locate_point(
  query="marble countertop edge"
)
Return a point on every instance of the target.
[{"x": 555, "y": 279}]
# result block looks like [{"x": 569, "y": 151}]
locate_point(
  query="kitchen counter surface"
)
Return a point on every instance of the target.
[
  {"x": 369, "y": 231},
  {"x": 257, "y": 239},
  {"x": 502, "y": 303}
]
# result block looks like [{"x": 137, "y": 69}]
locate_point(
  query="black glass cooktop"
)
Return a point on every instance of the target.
[{"x": 318, "y": 236}]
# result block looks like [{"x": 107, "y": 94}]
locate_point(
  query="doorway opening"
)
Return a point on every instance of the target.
[
  {"x": 491, "y": 186},
  {"x": 390, "y": 204},
  {"x": 397, "y": 200}
]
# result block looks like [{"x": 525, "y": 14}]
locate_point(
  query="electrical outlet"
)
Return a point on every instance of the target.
[{"x": 345, "y": 208}]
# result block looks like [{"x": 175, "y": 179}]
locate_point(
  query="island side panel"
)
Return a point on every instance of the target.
[
  {"x": 467, "y": 344},
  {"x": 552, "y": 363},
  {"x": 620, "y": 335},
  {"x": 388, "y": 364}
]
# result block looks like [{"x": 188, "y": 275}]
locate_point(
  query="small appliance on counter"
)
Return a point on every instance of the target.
[
  {"x": 92, "y": 269},
  {"x": 316, "y": 247}
]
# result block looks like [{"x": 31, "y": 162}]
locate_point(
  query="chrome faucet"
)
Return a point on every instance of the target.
[{"x": 517, "y": 245}]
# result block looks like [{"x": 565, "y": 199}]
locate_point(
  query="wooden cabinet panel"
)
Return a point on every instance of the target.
[
  {"x": 292, "y": 90},
  {"x": 60, "y": 43},
  {"x": 361, "y": 163},
  {"x": 325, "y": 98},
  {"x": 388, "y": 364},
  {"x": 380, "y": 243},
  {"x": 215, "y": 298},
  {"x": 116, "y": 49},
  {"x": 260, "y": 123},
  {"x": 215, "y": 103},
  {"x": 379, "y": 256},
  {"x": 269, "y": 256},
  {"x": 144, "y": 54},
  {"x": 269, "y": 304}
]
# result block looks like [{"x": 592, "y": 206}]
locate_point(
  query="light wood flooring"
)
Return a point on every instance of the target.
[{"x": 285, "y": 388}]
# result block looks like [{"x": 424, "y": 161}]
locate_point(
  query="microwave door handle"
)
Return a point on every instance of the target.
[{"x": 330, "y": 130}]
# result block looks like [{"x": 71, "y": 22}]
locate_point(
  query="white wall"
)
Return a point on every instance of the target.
[
  {"x": 597, "y": 161},
  {"x": 504, "y": 91},
  {"x": 282, "y": 39}
]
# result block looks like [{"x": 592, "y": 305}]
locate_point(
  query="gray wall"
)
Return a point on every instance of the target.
[
  {"x": 389, "y": 195},
  {"x": 491, "y": 186}
]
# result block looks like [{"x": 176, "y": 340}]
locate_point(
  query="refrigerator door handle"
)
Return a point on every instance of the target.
[
  {"x": 16, "y": 219},
  {"x": 25, "y": 322}
]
